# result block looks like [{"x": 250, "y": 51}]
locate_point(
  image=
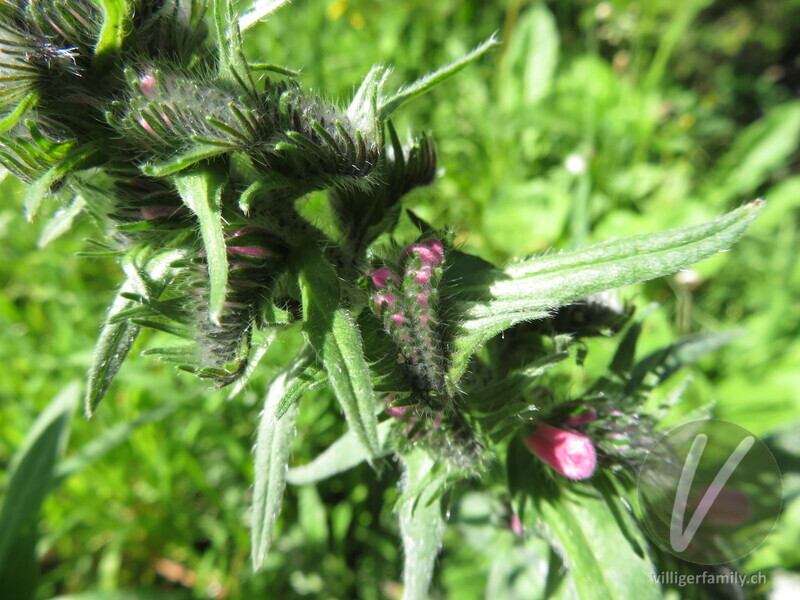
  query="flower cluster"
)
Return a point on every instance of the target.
[{"x": 407, "y": 304}]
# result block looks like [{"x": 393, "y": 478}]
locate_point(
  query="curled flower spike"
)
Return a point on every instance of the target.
[{"x": 571, "y": 454}]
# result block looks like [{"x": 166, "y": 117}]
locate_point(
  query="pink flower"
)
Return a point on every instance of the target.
[{"x": 571, "y": 454}]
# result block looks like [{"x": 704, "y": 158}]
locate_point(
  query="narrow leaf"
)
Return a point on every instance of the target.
[
  {"x": 335, "y": 337},
  {"x": 259, "y": 12},
  {"x": 19, "y": 111},
  {"x": 183, "y": 161},
  {"x": 117, "y": 337},
  {"x": 115, "y": 26},
  {"x": 344, "y": 454},
  {"x": 272, "y": 454},
  {"x": 36, "y": 192},
  {"x": 363, "y": 110},
  {"x": 201, "y": 191},
  {"x": 30, "y": 479},
  {"x": 61, "y": 221},
  {"x": 530, "y": 289},
  {"x": 601, "y": 559},
  {"x": 419, "y": 87},
  {"x": 232, "y": 65},
  {"x": 421, "y": 524}
]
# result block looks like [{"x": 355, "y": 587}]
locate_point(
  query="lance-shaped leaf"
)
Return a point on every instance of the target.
[
  {"x": 61, "y": 221},
  {"x": 421, "y": 523},
  {"x": 201, "y": 191},
  {"x": 344, "y": 454},
  {"x": 419, "y": 87},
  {"x": 118, "y": 335},
  {"x": 336, "y": 338},
  {"x": 590, "y": 537},
  {"x": 30, "y": 479},
  {"x": 116, "y": 25},
  {"x": 363, "y": 110},
  {"x": 259, "y": 12},
  {"x": 275, "y": 432},
  {"x": 37, "y": 191},
  {"x": 232, "y": 64},
  {"x": 493, "y": 300}
]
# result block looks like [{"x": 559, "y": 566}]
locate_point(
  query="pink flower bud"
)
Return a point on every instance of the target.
[
  {"x": 148, "y": 84},
  {"x": 516, "y": 525},
  {"x": 571, "y": 454},
  {"x": 384, "y": 298},
  {"x": 381, "y": 277},
  {"x": 423, "y": 276},
  {"x": 398, "y": 412},
  {"x": 587, "y": 416},
  {"x": 251, "y": 251},
  {"x": 431, "y": 252}
]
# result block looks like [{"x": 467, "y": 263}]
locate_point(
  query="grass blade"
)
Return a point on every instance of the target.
[{"x": 30, "y": 479}]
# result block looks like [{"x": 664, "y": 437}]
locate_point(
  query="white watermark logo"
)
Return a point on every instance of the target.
[
  {"x": 710, "y": 492},
  {"x": 679, "y": 540}
]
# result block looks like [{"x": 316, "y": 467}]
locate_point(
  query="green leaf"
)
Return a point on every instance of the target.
[
  {"x": 421, "y": 524},
  {"x": 272, "y": 454},
  {"x": 764, "y": 146},
  {"x": 336, "y": 338},
  {"x": 142, "y": 594},
  {"x": 116, "y": 25},
  {"x": 232, "y": 64},
  {"x": 530, "y": 289},
  {"x": 201, "y": 191},
  {"x": 36, "y": 192},
  {"x": 117, "y": 337},
  {"x": 344, "y": 454},
  {"x": 259, "y": 12},
  {"x": 363, "y": 110},
  {"x": 183, "y": 161},
  {"x": 12, "y": 118},
  {"x": 391, "y": 104},
  {"x": 601, "y": 559},
  {"x": 664, "y": 362},
  {"x": 61, "y": 221},
  {"x": 530, "y": 60},
  {"x": 30, "y": 479}
]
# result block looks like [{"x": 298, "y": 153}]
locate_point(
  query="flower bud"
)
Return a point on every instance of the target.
[{"x": 571, "y": 454}]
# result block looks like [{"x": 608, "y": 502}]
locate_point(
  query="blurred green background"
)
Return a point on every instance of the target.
[{"x": 590, "y": 121}]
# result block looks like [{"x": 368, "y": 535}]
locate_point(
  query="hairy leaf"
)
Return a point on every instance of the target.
[
  {"x": 201, "y": 191},
  {"x": 336, "y": 338},
  {"x": 603, "y": 562},
  {"x": 117, "y": 336},
  {"x": 345, "y": 453},
  {"x": 421, "y": 524},
  {"x": 530, "y": 289},
  {"x": 391, "y": 104},
  {"x": 273, "y": 443}
]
